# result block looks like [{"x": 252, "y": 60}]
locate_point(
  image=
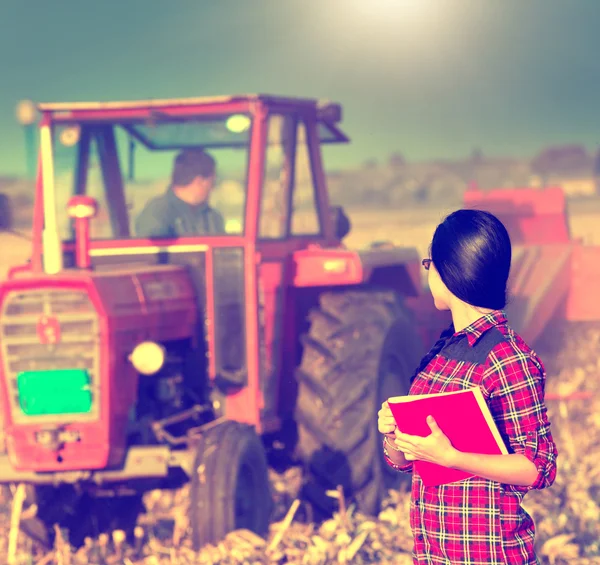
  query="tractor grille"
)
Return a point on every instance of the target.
[{"x": 25, "y": 347}]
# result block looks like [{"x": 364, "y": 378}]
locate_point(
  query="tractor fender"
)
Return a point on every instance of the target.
[{"x": 392, "y": 267}]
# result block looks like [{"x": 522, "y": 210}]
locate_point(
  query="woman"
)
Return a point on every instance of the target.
[{"x": 478, "y": 520}]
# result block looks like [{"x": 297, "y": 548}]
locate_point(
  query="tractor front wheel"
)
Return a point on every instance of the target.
[
  {"x": 361, "y": 349},
  {"x": 230, "y": 486}
]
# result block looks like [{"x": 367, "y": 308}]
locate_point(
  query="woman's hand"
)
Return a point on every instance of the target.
[
  {"x": 436, "y": 447},
  {"x": 386, "y": 425},
  {"x": 385, "y": 421}
]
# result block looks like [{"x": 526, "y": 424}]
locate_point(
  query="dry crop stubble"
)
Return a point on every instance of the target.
[{"x": 567, "y": 515}]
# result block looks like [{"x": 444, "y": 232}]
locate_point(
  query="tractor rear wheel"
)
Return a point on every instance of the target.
[
  {"x": 230, "y": 488},
  {"x": 361, "y": 349}
]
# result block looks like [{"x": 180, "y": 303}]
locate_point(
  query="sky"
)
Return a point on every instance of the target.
[{"x": 426, "y": 78}]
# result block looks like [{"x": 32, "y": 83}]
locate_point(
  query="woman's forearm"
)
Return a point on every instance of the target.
[
  {"x": 395, "y": 456},
  {"x": 512, "y": 469}
]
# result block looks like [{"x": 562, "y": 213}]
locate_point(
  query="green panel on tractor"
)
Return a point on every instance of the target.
[{"x": 44, "y": 393}]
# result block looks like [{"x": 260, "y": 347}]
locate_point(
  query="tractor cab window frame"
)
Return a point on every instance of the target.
[
  {"x": 98, "y": 153},
  {"x": 307, "y": 162},
  {"x": 293, "y": 154},
  {"x": 278, "y": 179}
]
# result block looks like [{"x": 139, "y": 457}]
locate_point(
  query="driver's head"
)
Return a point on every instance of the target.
[{"x": 194, "y": 174}]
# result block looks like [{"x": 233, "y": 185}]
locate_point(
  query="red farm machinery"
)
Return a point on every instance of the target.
[
  {"x": 552, "y": 274},
  {"x": 129, "y": 364}
]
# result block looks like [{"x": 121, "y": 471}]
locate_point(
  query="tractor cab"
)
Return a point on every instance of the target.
[{"x": 268, "y": 184}]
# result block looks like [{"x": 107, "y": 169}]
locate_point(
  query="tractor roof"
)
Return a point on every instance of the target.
[
  {"x": 178, "y": 110},
  {"x": 172, "y": 102}
]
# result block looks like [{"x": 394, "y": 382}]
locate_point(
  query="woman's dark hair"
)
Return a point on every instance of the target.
[{"x": 471, "y": 251}]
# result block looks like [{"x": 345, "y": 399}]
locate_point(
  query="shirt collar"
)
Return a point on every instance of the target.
[{"x": 475, "y": 330}]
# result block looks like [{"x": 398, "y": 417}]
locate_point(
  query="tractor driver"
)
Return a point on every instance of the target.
[{"x": 183, "y": 209}]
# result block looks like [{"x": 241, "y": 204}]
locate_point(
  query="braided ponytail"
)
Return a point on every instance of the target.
[{"x": 437, "y": 347}]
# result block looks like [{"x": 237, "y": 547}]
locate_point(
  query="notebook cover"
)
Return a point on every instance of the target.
[{"x": 460, "y": 417}]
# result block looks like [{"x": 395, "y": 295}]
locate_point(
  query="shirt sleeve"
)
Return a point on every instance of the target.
[
  {"x": 402, "y": 468},
  {"x": 516, "y": 381}
]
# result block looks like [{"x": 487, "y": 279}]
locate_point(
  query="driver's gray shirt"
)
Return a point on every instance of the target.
[{"x": 169, "y": 216}]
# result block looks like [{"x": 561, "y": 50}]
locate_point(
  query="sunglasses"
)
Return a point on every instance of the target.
[{"x": 426, "y": 263}]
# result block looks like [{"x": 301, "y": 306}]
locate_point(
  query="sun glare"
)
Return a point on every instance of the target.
[{"x": 407, "y": 10}]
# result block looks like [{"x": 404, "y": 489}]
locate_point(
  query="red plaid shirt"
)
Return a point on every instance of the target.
[{"x": 478, "y": 521}]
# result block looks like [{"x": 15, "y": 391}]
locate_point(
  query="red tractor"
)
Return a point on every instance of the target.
[
  {"x": 553, "y": 275},
  {"x": 130, "y": 363}
]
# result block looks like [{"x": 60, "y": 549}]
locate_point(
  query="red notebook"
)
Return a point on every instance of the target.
[{"x": 463, "y": 416}]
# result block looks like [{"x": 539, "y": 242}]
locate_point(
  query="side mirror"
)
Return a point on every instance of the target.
[
  {"x": 6, "y": 213},
  {"x": 341, "y": 222},
  {"x": 329, "y": 112}
]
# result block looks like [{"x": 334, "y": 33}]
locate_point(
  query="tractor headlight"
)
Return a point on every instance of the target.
[{"x": 148, "y": 357}]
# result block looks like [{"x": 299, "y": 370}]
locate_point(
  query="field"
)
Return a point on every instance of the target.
[
  {"x": 567, "y": 515},
  {"x": 410, "y": 227},
  {"x": 414, "y": 227}
]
